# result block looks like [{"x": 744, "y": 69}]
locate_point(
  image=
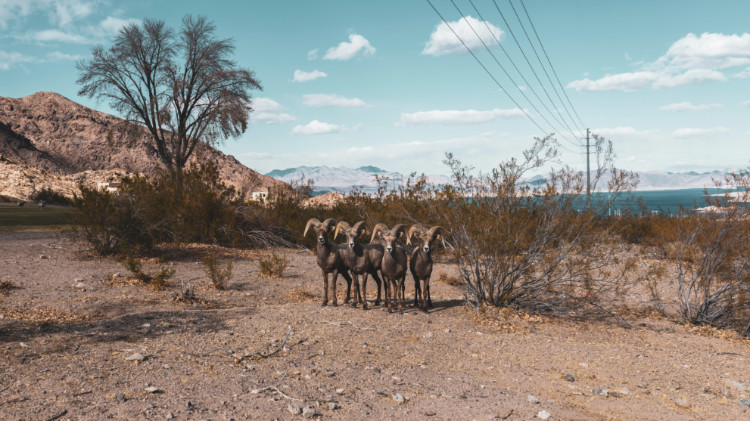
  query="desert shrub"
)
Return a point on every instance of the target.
[
  {"x": 186, "y": 293},
  {"x": 216, "y": 274},
  {"x": 540, "y": 245},
  {"x": 710, "y": 251},
  {"x": 443, "y": 276},
  {"x": 273, "y": 266},
  {"x": 157, "y": 279},
  {"x": 50, "y": 196},
  {"x": 6, "y": 286},
  {"x": 176, "y": 207}
]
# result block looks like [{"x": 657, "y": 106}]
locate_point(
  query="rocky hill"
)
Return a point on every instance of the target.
[{"x": 48, "y": 132}]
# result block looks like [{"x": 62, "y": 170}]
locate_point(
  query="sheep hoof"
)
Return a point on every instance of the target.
[
  {"x": 335, "y": 304},
  {"x": 364, "y": 306},
  {"x": 354, "y": 304},
  {"x": 325, "y": 303}
]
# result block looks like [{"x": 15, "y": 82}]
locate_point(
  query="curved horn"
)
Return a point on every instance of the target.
[
  {"x": 418, "y": 228},
  {"x": 329, "y": 223},
  {"x": 311, "y": 221},
  {"x": 342, "y": 224},
  {"x": 398, "y": 230},
  {"x": 434, "y": 231},
  {"x": 378, "y": 227},
  {"x": 360, "y": 227}
]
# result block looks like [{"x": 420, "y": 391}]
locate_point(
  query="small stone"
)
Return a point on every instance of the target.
[
  {"x": 23, "y": 345},
  {"x": 42, "y": 256},
  {"x": 135, "y": 357},
  {"x": 254, "y": 392},
  {"x": 120, "y": 397},
  {"x": 532, "y": 399},
  {"x": 294, "y": 409},
  {"x": 396, "y": 378},
  {"x": 340, "y": 390},
  {"x": 615, "y": 394},
  {"x": 152, "y": 389},
  {"x": 428, "y": 335},
  {"x": 169, "y": 415},
  {"x": 308, "y": 412},
  {"x": 146, "y": 325},
  {"x": 447, "y": 331},
  {"x": 682, "y": 403},
  {"x": 598, "y": 391},
  {"x": 543, "y": 415},
  {"x": 583, "y": 364},
  {"x": 745, "y": 402},
  {"x": 332, "y": 406},
  {"x": 80, "y": 285},
  {"x": 570, "y": 378},
  {"x": 736, "y": 385},
  {"x": 398, "y": 398},
  {"x": 117, "y": 275}
]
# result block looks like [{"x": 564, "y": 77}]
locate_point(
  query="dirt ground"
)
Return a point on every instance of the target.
[{"x": 72, "y": 335}]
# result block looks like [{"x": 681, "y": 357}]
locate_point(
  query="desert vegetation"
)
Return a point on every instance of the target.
[{"x": 540, "y": 247}]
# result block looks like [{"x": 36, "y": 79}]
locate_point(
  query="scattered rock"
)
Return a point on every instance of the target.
[
  {"x": 308, "y": 412},
  {"x": 120, "y": 397},
  {"x": 294, "y": 409},
  {"x": 152, "y": 389},
  {"x": 682, "y": 403},
  {"x": 81, "y": 285},
  {"x": 398, "y": 398},
  {"x": 23, "y": 345},
  {"x": 117, "y": 275},
  {"x": 532, "y": 399},
  {"x": 570, "y": 378},
  {"x": 447, "y": 331},
  {"x": 340, "y": 390},
  {"x": 598, "y": 391},
  {"x": 428, "y": 335},
  {"x": 169, "y": 415},
  {"x": 135, "y": 357},
  {"x": 543, "y": 414},
  {"x": 332, "y": 406},
  {"x": 736, "y": 385},
  {"x": 615, "y": 394},
  {"x": 583, "y": 364},
  {"x": 745, "y": 402},
  {"x": 42, "y": 256}
]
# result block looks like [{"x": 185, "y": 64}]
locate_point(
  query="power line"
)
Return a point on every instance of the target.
[
  {"x": 518, "y": 44},
  {"x": 523, "y": 28},
  {"x": 484, "y": 67},
  {"x": 550, "y": 64},
  {"x": 514, "y": 66},
  {"x": 506, "y": 72}
]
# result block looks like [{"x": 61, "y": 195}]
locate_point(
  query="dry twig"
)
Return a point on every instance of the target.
[{"x": 239, "y": 358}]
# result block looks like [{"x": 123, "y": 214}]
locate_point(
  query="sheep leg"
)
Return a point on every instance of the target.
[
  {"x": 325, "y": 288},
  {"x": 400, "y": 289},
  {"x": 356, "y": 289},
  {"x": 335, "y": 298},
  {"x": 345, "y": 274},
  {"x": 417, "y": 292},
  {"x": 377, "y": 281},
  {"x": 427, "y": 291},
  {"x": 364, "y": 291},
  {"x": 388, "y": 292}
]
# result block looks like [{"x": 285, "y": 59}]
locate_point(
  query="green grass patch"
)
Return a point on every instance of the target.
[{"x": 32, "y": 215}]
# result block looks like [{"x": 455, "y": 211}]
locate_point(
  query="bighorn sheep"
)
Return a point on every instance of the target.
[
  {"x": 361, "y": 259},
  {"x": 421, "y": 262},
  {"x": 330, "y": 258},
  {"x": 394, "y": 263}
]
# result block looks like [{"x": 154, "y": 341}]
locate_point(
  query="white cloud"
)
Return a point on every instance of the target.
[
  {"x": 272, "y": 118},
  {"x": 59, "y": 12},
  {"x": 57, "y": 55},
  {"x": 690, "y": 60},
  {"x": 302, "y": 76},
  {"x": 265, "y": 104},
  {"x": 348, "y": 50},
  {"x": 687, "y": 106},
  {"x": 458, "y": 116},
  {"x": 111, "y": 25},
  {"x": 744, "y": 74},
  {"x": 689, "y": 132},
  {"x": 312, "y": 54},
  {"x": 9, "y": 59},
  {"x": 622, "y": 131},
  {"x": 326, "y": 100},
  {"x": 56, "y": 35},
  {"x": 316, "y": 127},
  {"x": 443, "y": 40},
  {"x": 746, "y": 103}
]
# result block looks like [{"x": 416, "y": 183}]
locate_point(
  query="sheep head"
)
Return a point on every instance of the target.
[
  {"x": 388, "y": 236},
  {"x": 351, "y": 232},
  {"x": 321, "y": 228},
  {"x": 426, "y": 237}
]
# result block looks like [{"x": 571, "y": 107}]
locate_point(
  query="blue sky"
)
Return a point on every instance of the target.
[{"x": 349, "y": 83}]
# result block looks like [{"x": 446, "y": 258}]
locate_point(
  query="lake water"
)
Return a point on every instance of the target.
[{"x": 664, "y": 201}]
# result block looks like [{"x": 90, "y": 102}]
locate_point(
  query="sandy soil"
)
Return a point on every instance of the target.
[{"x": 64, "y": 351}]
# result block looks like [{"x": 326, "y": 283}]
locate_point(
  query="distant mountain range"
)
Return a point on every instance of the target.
[{"x": 342, "y": 179}]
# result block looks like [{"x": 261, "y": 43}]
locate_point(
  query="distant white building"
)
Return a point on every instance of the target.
[
  {"x": 260, "y": 196},
  {"x": 110, "y": 187}
]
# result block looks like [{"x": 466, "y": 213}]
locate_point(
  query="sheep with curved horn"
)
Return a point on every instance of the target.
[
  {"x": 361, "y": 259},
  {"x": 420, "y": 264},
  {"x": 330, "y": 258},
  {"x": 394, "y": 263}
]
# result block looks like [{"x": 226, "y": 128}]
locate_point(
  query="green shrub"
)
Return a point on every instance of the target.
[{"x": 273, "y": 266}]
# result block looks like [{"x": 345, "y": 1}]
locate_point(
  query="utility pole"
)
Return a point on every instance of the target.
[{"x": 588, "y": 170}]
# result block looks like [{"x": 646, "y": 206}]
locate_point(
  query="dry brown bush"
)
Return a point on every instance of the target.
[
  {"x": 157, "y": 279},
  {"x": 6, "y": 286},
  {"x": 273, "y": 266},
  {"x": 444, "y": 277},
  {"x": 218, "y": 276}
]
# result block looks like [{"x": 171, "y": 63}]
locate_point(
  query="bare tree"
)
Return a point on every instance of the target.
[{"x": 183, "y": 88}]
